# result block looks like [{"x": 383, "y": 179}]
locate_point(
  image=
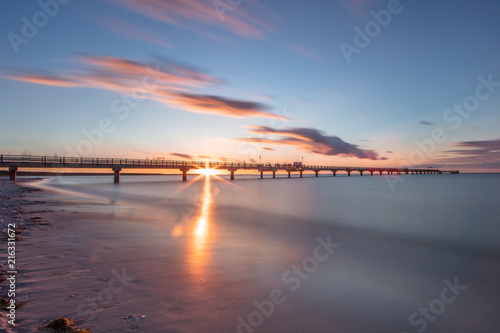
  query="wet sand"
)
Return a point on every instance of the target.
[{"x": 122, "y": 268}]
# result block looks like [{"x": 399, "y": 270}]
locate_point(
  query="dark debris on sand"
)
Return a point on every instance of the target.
[
  {"x": 4, "y": 302},
  {"x": 62, "y": 325}
]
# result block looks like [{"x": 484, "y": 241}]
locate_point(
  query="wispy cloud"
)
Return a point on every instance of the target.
[
  {"x": 250, "y": 19},
  {"x": 158, "y": 154},
  {"x": 264, "y": 97},
  {"x": 357, "y": 7},
  {"x": 300, "y": 50},
  {"x": 221, "y": 105},
  {"x": 134, "y": 31},
  {"x": 474, "y": 154},
  {"x": 182, "y": 155},
  {"x": 489, "y": 148},
  {"x": 311, "y": 140},
  {"x": 268, "y": 148},
  {"x": 425, "y": 122},
  {"x": 172, "y": 83},
  {"x": 362, "y": 115}
]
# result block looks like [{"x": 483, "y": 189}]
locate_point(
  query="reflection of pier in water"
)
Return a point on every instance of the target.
[{"x": 14, "y": 162}]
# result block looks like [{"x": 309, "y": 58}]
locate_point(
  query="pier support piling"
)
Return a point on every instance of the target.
[
  {"x": 13, "y": 172},
  {"x": 334, "y": 173},
  {"x": 300, "y": 173},
  {"x": 349, "y": 173},
  {"x": 361, "y": 173},
  {"x": 232, "y": 170},
  {"x": 117, "y": 174},
  {"x": 261, "y": 174},
  {"x": 288, "y": 174},
  {"x": 274, "y": 173},
  {"x": 184, "y": 173},
  {"x": 317, "y": 172}
]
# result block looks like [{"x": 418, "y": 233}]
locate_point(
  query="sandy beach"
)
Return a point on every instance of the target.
[
  {"x": 56, "y": 260},
  {"x": 114, "y": 266}
]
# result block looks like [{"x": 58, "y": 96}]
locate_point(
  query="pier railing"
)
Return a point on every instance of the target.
[{"x": 13, "y": 162}]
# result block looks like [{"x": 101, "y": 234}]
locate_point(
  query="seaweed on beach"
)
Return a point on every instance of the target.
[
  {"x": 4, "y": 302},
  {"x": 37, "y": 220},
  {"x": 62, "y": 325}
]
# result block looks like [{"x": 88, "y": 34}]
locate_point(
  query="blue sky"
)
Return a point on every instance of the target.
[{"x": 241, "y": 79}]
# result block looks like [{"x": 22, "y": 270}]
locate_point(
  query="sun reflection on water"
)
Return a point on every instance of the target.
[{"x": 201, "y": 228}]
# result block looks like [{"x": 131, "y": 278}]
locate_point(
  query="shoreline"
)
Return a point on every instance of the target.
[
  {"x": 15, "y": 200},
  {"x": 115, "y": 267},
  {"x": 52, "y": 281}
]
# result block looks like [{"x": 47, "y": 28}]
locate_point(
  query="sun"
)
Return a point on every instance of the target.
[{"x": 208, "y": 172}]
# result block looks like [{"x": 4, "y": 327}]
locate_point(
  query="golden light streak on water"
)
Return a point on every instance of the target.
[{"x": 203, "y": 222}]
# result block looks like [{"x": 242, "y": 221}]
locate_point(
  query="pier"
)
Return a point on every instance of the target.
[{"x": 116, "y": 165}]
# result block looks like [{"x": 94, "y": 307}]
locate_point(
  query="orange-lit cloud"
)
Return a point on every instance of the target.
[
  {"x": 222, "y": 106},
  {"x": 45, "y": 80},
  {"x": 248, "y": 19},
  {"x": 173, "y": 84},
  {"x": 311, "y": 140}
]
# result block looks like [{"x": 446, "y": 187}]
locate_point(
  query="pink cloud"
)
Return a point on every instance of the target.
[
  {"x": 300, "y": 50},
  {"x": 172, "y": 84},
  {"x": 357, "y": 7},
  {"x": 250, "y": 19},
  {"x": 128, "y": 29}
]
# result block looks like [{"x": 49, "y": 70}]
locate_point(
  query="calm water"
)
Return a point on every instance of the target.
[{"x": 396, "y": 247}]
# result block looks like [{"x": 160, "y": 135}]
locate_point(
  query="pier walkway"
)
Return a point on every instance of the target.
[{"x": 14, "y": 162}]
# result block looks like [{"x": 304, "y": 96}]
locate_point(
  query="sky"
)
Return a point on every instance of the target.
[{"x": 340, "y": 82}]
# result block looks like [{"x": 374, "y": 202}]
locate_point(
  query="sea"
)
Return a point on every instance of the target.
[{"x": 416, "y": 253}]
